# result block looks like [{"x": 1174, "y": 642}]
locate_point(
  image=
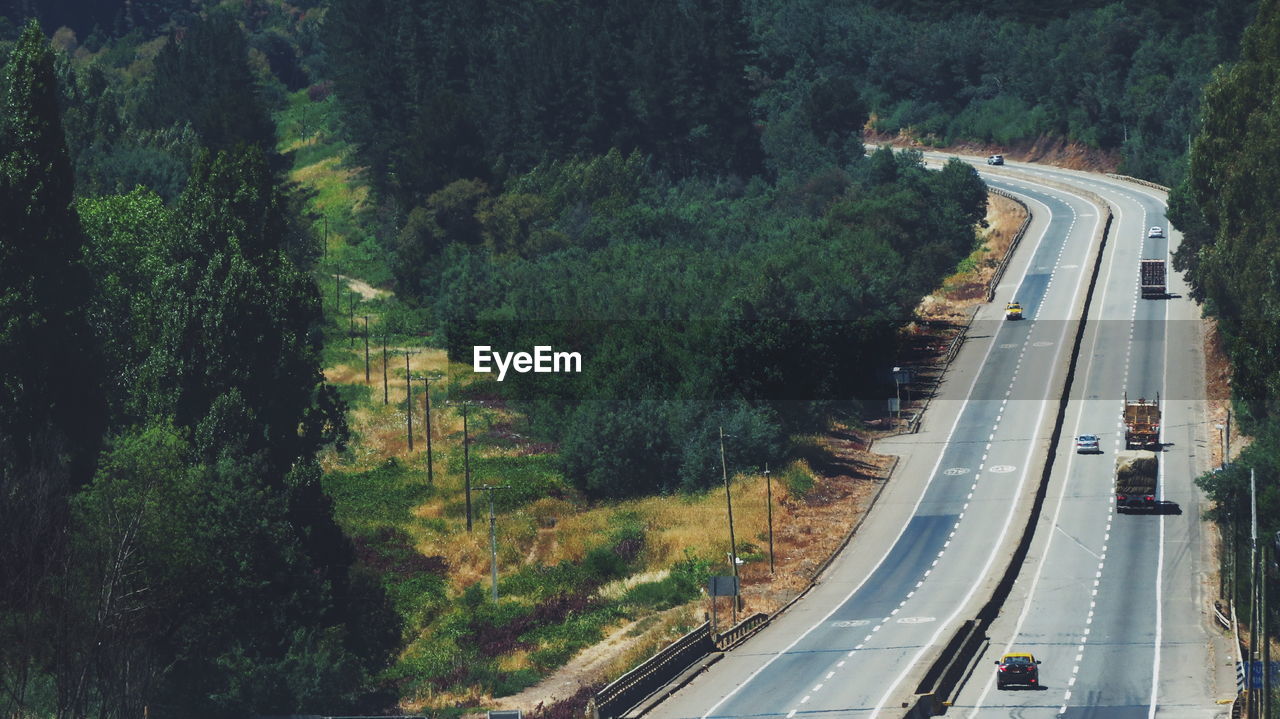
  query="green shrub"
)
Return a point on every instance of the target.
[
  {"x": 798, "y": 481},
  {"x": 354, "y": 394},
  {"x": 380, "y": 496}
]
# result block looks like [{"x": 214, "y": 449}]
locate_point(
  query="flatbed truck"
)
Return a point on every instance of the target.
[
  {"x": 1137, "y": 475},
  {"x": 1151, "y": 276}
]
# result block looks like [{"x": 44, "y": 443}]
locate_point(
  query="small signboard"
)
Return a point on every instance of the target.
[
  {"x": 505, "y": 714},
  {"x": 1257, "y": 672},
  {"x": 722, "y": 586},
  {"x": 894, "y": 404}
]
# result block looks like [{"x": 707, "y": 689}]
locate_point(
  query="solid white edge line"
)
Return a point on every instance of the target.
[
  {"x": 1035, "y": 581},
  {"x": 925, "y": 490},
  {"x": 1159, "y": 641},
  {"x": 932, "y": 475},
  {"x": 981, "y": 576}
]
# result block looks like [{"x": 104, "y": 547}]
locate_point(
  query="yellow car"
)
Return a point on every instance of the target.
[
  {"x": 1017, "y": 669},
  {"x": 1013, "y": 311}
]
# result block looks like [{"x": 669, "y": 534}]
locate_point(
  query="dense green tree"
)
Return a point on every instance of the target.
[
  {"x": 51, "y": 408},
  {"x": 202, "y": 77},
  {"x": 1232, "y": 241},
  {"x": 448, "y": 89}
]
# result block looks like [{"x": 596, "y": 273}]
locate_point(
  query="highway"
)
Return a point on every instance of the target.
[
  {"x": 1111, "y": 604},
  {"x": 1114, "y": 605}
]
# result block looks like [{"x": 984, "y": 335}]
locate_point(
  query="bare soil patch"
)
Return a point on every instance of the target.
[
  {"x": 1045, "y": 150},
  {"x": 364, "y": 289}
]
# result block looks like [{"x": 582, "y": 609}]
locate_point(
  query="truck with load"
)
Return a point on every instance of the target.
[
  {"x": 1141, "y": 423},
  {"x": 1137, "y": 473},
  {"x": 1151, "y": 275}
]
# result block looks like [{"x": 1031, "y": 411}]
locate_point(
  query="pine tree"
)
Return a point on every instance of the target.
[{"x": 51, "y": 411}]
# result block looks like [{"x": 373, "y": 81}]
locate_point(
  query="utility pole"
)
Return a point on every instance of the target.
[
  {"x": 768, "y": 489},
  {"x": 1253, "y": 593},
  {"x": 493, "y": 538},
  {"x": 1222, "y": 445},
  {"x": 733, "y": 546},
  {"x": 351, "y": 318},
  {"x": 408, "y": 400},
  {"x": 1226, "y": 448},
  {"x": 1234, "y": 535},
  {"x": 384, "y": 367},
  {"x": 337, "y": 290},
  {"x": 1265, "y": 622},
  {"x": 466, "y": 461},
  {"x": 426, "y": 391},
  {"x": 366, "y": 349}
]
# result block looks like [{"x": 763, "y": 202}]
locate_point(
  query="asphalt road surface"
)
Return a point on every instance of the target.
[{"x": 1096, "y": 600}]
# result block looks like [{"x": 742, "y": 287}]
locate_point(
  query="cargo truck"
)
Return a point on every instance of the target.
[
  {"x": 1141, "y": 423},
  {"x": 1151, "y": 275},
  {"x": 1137, "y": 473}
]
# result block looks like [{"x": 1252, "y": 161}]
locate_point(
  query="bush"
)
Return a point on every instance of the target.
[
  {"x": 798, "y": 480},
  {"x": 682, "y": 585}
]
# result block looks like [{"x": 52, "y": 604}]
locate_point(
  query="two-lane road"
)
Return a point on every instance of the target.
[{"x": 1114, "y": 605}]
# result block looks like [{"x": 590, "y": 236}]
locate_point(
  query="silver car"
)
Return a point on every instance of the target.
[
  {"x": 1088, "y": 444},
  {"x": 1155, "y": 232}
]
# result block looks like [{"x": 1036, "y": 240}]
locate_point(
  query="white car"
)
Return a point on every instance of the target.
[
  {"x": 1155, "y": 232},
  {"x": 1088, "y": 443},
  {"x": 995, "y": 160}
]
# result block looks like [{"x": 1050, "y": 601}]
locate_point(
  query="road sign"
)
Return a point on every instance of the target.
[
  {"x": 722, "y": 586},
  {"x": 1242, "y": 669}
]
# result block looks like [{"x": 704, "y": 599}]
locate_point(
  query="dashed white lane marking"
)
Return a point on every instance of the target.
[
  {"x": 805, "y": 700},
  {"x": 791, "y": 713},
  {"x": 817, "y": 688}
]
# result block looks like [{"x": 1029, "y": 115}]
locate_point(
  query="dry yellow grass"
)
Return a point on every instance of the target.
[
  {"x": 670, "y": 625},
  {"x": 968, "y": 286},
  {"x": 553, "y": 530}
]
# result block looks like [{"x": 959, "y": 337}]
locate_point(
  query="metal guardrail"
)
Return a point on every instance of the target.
[
  {"x": 631, "y": 688},
  {"x": 953, "y": 347},
  {"x": 1137, "y": 180},
  {"x": 741, "y": 631},
  {"x": 1013, "y": 244}
]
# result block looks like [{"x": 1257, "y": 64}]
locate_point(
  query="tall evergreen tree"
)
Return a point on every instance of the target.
[
  {"x": 202, "y": 77},
  {"x": 1233, "y": 241},
  {"x": 51, "y": 410}
]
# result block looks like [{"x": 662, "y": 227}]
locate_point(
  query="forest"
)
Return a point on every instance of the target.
[
  {"x": 1226, "y": 208},
  {"x": 680, "y": 191}
]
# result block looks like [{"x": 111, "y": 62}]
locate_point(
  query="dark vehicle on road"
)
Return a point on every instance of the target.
[{"x": 1021, "y": 669}]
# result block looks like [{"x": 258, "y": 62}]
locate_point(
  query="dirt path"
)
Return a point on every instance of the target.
[
  {"x": 588, "y": 667},
  {"x": 366, "y": 290}
]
